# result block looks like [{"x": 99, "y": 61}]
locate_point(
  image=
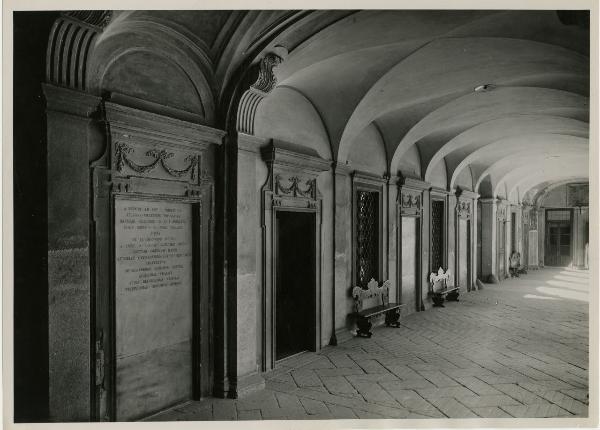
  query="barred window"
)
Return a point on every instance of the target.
[{"x": 367, "y": 237}]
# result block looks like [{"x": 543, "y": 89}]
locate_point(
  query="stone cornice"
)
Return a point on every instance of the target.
[
  {"x": 413, "y": 183},
  {"x": 466, "y": 194},
  {"x": 367, "y": 177},
  {"x": 70, "y": 101},
  {"x": 138, "y": 124},
  {"x": 294, "y": 156},
  {"x": 251, "y": 143}
]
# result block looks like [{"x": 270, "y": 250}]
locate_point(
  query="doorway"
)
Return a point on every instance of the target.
[
  {"x": 295, "y": 303},
  {"x": 409, "y": 261},
  {"x": 558, "y": 238},
  {"x": 437, "y": 235}
]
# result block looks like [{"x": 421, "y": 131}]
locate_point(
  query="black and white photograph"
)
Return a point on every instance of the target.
[{"x": 384, "y": 216}]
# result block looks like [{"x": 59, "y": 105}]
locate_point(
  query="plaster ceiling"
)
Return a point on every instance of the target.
[{"x": 410, "y": 75}]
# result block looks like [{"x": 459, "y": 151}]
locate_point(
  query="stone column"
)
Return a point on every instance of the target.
[
  {"x": 343, "y": 251},
  {"x": 451, "y": 232},
  {"x": 474, "y": 256},
  {"x": 73, "y": 140},
  {"x": 249, "y": 263},
  {"x": 425, "y": 245},
  {"x": 488, "y": 240},
  {"x": 392, "y": 257},
  {"x": 541, "y": 225}
]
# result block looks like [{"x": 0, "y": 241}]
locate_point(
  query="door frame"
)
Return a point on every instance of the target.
[
  {"x": 547, "y": 226},
  {"x": 314, "y": 345}
]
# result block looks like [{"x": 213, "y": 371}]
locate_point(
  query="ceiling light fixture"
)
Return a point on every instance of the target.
[{"x": 484, "y": 87}]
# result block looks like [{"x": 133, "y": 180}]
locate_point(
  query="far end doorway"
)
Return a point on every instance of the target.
[{"x": 295, "y": 303}]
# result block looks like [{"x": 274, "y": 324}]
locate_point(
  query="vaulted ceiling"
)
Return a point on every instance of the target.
[{"x": 493, "y": 101}]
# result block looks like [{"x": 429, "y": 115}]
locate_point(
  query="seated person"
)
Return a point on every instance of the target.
[{"x": 515, "y": 262}]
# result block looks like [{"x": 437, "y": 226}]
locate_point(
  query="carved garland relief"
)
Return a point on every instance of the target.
[
  {"x": 294, "y": 188},
  {"x": 160, "y": 157},
  {"x": 410, "y": 203},
  {"x": 463, "y": 209}
]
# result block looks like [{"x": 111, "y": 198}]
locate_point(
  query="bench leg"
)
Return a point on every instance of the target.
[
  {"x": 364, "y": 327},
  {"x": 438, "y": 300},
  {"x": 392, "y": 317},
  {"x": 453, "y": 296}
]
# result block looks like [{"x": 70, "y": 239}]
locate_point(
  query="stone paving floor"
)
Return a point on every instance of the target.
[{"x": 515, "y": 349}]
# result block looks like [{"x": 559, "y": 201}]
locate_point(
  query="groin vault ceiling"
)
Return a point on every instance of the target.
[{"x": 492, "y": 101}]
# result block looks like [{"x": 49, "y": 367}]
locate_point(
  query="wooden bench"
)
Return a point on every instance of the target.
[
  {"x": 439, "y": 290},
  {"x": 372, "y": 302}
]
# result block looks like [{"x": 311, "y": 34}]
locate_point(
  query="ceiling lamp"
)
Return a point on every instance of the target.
[{"x": 484, "y": 88}]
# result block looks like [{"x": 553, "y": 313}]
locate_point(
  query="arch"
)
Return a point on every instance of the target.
[
  {"x": 286, "y": 114},
  {"x": 123, "y": 38}
]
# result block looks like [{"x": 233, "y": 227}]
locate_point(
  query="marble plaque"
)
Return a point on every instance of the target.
[{"x": 153, "y": 274}]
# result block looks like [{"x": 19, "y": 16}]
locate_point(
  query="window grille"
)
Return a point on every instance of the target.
[
  {"x": 437, "y": 234},
  {"x": 367, "y": 237}
]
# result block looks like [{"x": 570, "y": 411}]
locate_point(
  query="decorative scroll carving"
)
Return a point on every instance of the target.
[
  {"x": 160, "y": 157},
  {"x": 252, "y": 97},
  {"x": 463, "y": 209},
  {"x": 294, "y": 189},
  {"x": 266, "y": 78}
]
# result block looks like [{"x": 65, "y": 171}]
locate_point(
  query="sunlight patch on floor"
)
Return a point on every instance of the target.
[
  {"x": 533, "y": 296},
  {"x": 567, "y": 294}
]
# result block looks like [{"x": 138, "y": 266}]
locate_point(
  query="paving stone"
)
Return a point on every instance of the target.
[
  {"x": 371, "y": 366},
  {"x": 477, "y": 386},
  {"x": 408, "y": 384},
  {"x": 337, "y": 385},
  {"x": 520, "y": 394},
  {"x": 566, "y": 402},
  {"x": 535, "y": 411},
  {"x": 341, "y": 412},
  {"x": 314, "y": 407},
  {"x": 253, "y": 414},
  {"x": 452, "y": 408},
  {"x": 430, "y": 393},
  {"x": 341, "y": 360},
  {"x": 438, "y": 379},
  {"x": 486, "y": 401},
  {"x": 224, "y": 410},
  {"x": 578, "y": 394},
  {"x": 340, "y": 371},
  {"x": 491, "y": 412},
  {"x": 306, "y": 378}
]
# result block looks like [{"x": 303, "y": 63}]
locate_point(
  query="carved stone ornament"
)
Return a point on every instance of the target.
[
  {"x": 501, "y": 213},
  {"x": 463, "y": 209},
  {"x": 526, "y": 217},
  {"x": 533, "y": 221},
  {"x": 266, "y": 78},
  {"x": 295, "y": 189},
  {"x": 411, "y": 201},
  {"x": 257, "y": 91},
  {"x": 122, "y": 152}
]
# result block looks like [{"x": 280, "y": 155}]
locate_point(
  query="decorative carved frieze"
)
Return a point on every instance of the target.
[
  {"x": 410, "y": 196},
  {"x": 160, "y": 157},
  {"x": 152, "y": 146},
  {"x": 295, "y": 189},
  {"x": 251, "y": 98},
  {"x": 293, "y": 172},
  {"x": 463, "y": 209}
]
